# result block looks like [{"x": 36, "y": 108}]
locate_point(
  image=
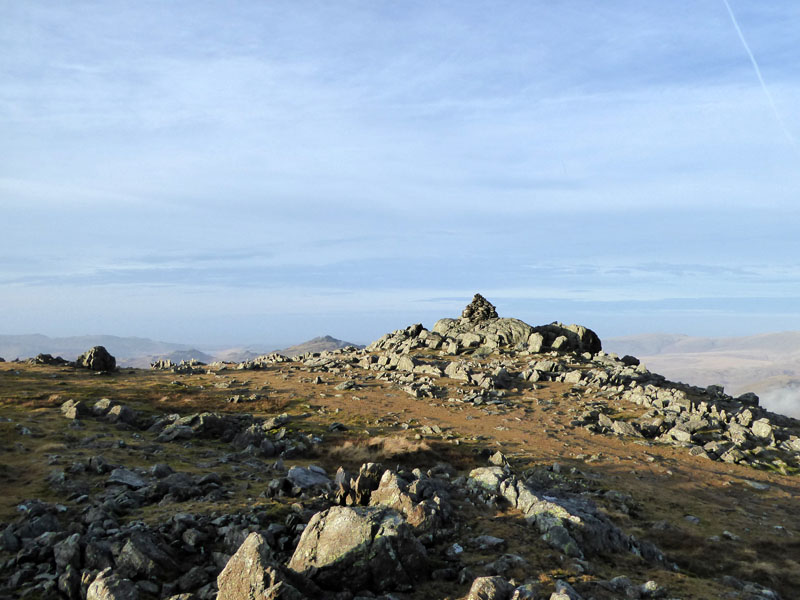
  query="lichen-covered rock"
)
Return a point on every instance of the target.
[
  {"x": 97, "y": 359},
  {"x": 490, "y": 588},
  {"x": 108, "y": 586},
  {"x": 252, "y": 573},
  {"x": 426, "y": 514},
  {"x": 74, "y": 409},
  {"x": 360, "y": 548}
]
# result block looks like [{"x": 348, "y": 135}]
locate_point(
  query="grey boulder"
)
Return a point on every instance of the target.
[
  {"x": 97, "y": 359},
  {"x": 490, "y": 588},
  {"x": 304, "y": 478},
  {"x": 251, "y": 573},
  {"x": 360, "y": 548},
  {"x": 108, "y": 586}
]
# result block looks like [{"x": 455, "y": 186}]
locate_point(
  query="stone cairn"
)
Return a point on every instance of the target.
[{"x": 480, "y": 309}]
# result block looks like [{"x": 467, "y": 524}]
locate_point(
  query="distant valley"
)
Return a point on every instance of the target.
[
  {"x": 140, "y": 352},
  {"x": 767, "y": 364}
]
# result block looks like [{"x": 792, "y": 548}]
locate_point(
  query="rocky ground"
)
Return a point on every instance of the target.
[{"x": 482, "y": 459}]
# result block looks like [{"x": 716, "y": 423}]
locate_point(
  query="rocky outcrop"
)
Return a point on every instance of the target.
[
  {"x": 97, "y": 359},
  {"x": 47, "y": 359},
  {"x": 423, "y": 501},
  {"x": 480, "y": 330},
  {"x": 184, "y": 367},
  {"x": 360, "y": 548},
  {"x": 573, "y": 526}
]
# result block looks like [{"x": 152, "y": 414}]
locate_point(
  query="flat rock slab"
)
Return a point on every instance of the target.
[
  {"x": 307, "y": 477},
  {"x": 123, "y": 476}
]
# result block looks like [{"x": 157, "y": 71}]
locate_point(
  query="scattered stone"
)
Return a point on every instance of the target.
[
  {"x": 757, "y": 485},
  {"x": 488, "y": 542}
]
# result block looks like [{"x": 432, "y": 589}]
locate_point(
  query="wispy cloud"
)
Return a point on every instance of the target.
[{"x": 577, "y": 153}]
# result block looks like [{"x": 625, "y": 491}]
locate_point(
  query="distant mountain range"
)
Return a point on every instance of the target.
[
  {"x": 767, "y": 364},
  {"x": 124, "y": 348},
  {"x": 140, "y": 352}
]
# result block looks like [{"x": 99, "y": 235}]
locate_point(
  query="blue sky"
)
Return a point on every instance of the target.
[{"x": 264, "y": 172}]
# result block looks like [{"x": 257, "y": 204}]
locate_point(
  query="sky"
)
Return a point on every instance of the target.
[{"x": 264, "y": 172}]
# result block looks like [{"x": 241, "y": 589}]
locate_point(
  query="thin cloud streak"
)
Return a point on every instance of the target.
[{"x": 764, "y": 87}]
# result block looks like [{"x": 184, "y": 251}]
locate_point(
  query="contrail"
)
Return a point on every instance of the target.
[{"x": 757, "y": 69}]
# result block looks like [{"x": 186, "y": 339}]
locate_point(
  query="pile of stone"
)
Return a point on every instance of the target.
[{"x": 480, "y": 309}]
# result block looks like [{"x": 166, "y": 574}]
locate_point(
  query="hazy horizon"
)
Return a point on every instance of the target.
[
  {"x": 267, "y": 344},
  {"x": 271, "y": 171}
]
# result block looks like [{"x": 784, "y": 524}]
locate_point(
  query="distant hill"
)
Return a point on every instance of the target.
[
  {"x": 125, "y": 349},
  {"x": 140, "y": 352},
  {"x": 318, "y": 344},
  {"x": 767, "y": 364},
  {"x": 236, "y": 354}
]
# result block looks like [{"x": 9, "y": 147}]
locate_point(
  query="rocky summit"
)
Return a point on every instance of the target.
[{"x": 484, "y": 458}]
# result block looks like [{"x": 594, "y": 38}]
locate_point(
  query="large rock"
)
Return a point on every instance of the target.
[
  {"x": 97, "y": 359},
  {"x": 143, "y": 556},
  {"x": 68, "y": 551},
  {"x": 494, "y": 332},
  {"x": 422, "y": 505},
  {"x": 490, "y": 588},
  {"x": 578, "y": 338},
  {"x": 74, "y": 409},
  {"x": 360, "y": 548},
  {"x": 123, "y": 476},
  {"x": 251, "y": 573},
  {"x": 310, "y": 477},
  {"x": 108, "y": 586}
]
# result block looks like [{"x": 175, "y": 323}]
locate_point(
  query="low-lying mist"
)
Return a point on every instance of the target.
[{"x": 785, "y": 400}]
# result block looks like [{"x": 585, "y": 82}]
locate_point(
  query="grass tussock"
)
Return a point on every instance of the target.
[{"x": 377, "y": 449}]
